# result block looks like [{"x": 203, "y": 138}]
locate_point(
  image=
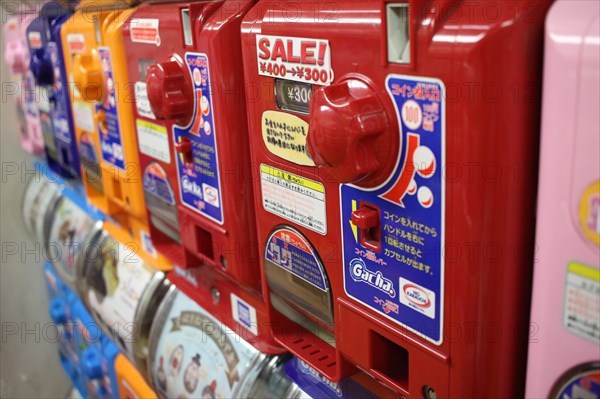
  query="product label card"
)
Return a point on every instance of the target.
[
  {"x": 70, "y": 227},
  {"x": 294, "y": 58},
  {"x": 156, "y": 183},
  {"x": 198, "y": 169},
  {"x": 581, "y": 307},
  {"x": 196, "y": 356},
  {"x": 402, "y": 275},
  {"x": 58, "y": 109},
  {"x": 36, "y": 201},
  {"x": 110, "y": 131},
  {"x": 160, "y": 200},
  {"x": 294, "y": 198},
  {"x": 40, "y": 207},
  {"x": 89, "y": 160},
  {"x": 116, "y": 278},
  {"x": 292, "y": 252}
]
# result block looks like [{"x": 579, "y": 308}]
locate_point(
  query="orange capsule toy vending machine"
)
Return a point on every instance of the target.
[{"x": 96, "y": 63}]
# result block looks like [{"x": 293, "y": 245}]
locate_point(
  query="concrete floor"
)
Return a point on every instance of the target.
[{"x": 29, "y": 366}]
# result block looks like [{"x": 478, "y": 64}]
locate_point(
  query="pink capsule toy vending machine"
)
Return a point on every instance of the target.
[
  {"x": 564, "y": 348},
  {"x": 16, "y": 58}
]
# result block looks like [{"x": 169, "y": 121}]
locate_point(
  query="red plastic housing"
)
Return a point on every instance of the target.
[
  {"x": 174, "y": 48},
  {"x": 158, "y": 61},
  {"x": 487, "y": 57}
]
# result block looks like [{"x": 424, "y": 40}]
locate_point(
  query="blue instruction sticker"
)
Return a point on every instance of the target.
[
  {"x": 398, "y": 270},
  {"x": 110, "y": 131},
  {"x": 59, "y": 106},
  {"x": 290, "y": 251},
  {"x": 198, "y": 170}
]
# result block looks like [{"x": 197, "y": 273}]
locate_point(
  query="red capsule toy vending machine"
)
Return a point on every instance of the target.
[
  {"x": 385, "y": 137},
  {"x": 184, "y": 62}
]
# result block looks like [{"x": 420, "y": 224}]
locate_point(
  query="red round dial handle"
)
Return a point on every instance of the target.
[
  {"x": 350, "y": 134},
  {"x": 170, "y": 90}
]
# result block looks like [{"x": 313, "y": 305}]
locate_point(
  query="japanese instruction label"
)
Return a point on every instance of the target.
[
  {"x": 402, "y": 275},
  {"x": 110, "y": 132},
  {"x": 581, "y": 312},
  {"x": 198, "y": 169},
  {"x": 59, "y": 107},
  {"x": 285, "y": 136},
  {"x": 294, "y": 198}
]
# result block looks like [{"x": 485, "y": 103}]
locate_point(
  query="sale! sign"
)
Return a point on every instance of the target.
[{"x": 294, "y": 58}]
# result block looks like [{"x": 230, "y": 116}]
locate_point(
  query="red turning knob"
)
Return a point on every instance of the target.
[
  {"x": 170, "y": 90},
  {"x": 350, "y": 133}
]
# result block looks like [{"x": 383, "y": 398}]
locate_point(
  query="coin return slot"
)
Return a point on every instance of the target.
[
  {"x": 204, "y": 244},
  {"x": 118, "y": 194},
  {"x": 65, "y": 156},
  {"x": 391, "y": 362},
  {"x": 398, "y": 33}
]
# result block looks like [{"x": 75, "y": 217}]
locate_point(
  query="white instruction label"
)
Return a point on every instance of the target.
[
  {"x": 153, "y": 140},
  {"x": 293, "y": 197},
  {"x": 581, "y": 312},
  {"x": 83, "y": 115},
  {"x": 141, "y": 100}
]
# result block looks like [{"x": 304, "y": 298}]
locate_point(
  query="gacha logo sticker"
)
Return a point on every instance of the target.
[
  {"x": 360, "y": 273},
  {"x": 190, "y": 186}
]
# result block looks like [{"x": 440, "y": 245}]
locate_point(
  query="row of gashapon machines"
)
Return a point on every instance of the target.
[{"x": 353, "y": 183}]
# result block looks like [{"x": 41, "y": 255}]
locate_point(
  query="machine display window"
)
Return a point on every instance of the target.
[{"x": 292, "y": 96}]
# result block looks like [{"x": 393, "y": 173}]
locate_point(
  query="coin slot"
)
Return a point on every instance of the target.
[
  {"x": 186, "y": 27},
  {"x": 398, "y": 33}
]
